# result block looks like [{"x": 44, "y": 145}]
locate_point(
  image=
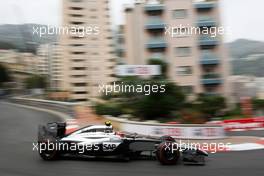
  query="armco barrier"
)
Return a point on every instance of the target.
[
  {"x": 63, "y": 107},
  {"x": 243, "y": 124},
  {"x": 180, "y": 131}
]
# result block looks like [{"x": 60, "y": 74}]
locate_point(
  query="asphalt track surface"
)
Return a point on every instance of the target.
[{"x": 18, "y": 129}]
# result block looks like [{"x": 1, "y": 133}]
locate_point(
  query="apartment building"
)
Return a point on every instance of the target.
[
  {"x": 244, "y": 86},
  {"x": 197, "y": 62},
  {"x": 49, "y": 64},
  {"x": 19, "y": 65},
  {"x": 88, "y": 55},
  {"x": 43, "y": 54},
  {"x": 119, "y": 39}
]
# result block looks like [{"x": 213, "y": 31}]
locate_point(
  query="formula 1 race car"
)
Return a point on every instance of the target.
[{"x": 101, "y": 141}]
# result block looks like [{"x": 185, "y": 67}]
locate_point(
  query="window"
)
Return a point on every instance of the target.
[
  {"x": 80, "y": 93},
  {"x": 79, "y": 84},
  {"x": 76, "y": 8},
  {"x": 76, "y": 15},
  {"x": 184, "y": 70},
  {"x": 179, "y": 13},
  {"x": 78, "y": 60},
  {"x": 78, "y": 68},
  {"x": 187, "y": 89},
  {"x": 77, "y": 52},
  {"x": 78, "y": 76},
  {"x": 76, "y": 37},
  {"x": 181, "y": 32},
  {"x": 182, "y": 51},
  {"x": 75, "y": 45},
  {"x": 76, "y": 22}
]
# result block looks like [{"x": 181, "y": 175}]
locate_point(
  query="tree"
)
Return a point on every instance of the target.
[
  {"x": 160, "y": 105},
  {"x": 35, "y": 82},
  {"x": 210, "y": 105},
  {"x": 163, "y": 66},
  {"x": 258, "y": 104},
  {"x": 4, "y": 75}
]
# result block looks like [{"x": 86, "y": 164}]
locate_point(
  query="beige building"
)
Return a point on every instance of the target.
[
  {"x": 20, "y": 65},
  {"x": 43, "y": 54},
  {"x": 174, "y": 31},
  {"x": 49, "y": 63},
  {"x": 88, "y": 56},
  {"x": 244, "y": 86}
]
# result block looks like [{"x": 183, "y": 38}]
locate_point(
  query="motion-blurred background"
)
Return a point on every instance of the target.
[{"x": 207, "y": 78}]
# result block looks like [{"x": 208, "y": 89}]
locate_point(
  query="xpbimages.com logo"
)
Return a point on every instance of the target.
[
  {"x": 78, "y": 31},
  {"x": 146, "y": 89},
  {"x": 211, "y": 147},
  {"x": 189, "y": 30}
]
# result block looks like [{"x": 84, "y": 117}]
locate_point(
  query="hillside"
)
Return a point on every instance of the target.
[
  {"x": 21, "y": 37},
  {"x": 243, "y": 62},
  {"x": 242, "y": 48}
]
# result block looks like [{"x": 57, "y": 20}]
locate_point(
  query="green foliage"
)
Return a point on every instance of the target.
[
  {"x": 210, "y": 106},
  {"x": 258, "y": 104},
  {"x": 159, "y": 104},
  {"x": 36, "y": 81},
  {"x": 163, "y": 65},
  {"x": 4, "y": 75},
  {"x": 156, "y": 105},
  {"x": 108, "y": 109}
]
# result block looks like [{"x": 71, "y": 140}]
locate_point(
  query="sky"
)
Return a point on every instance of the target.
[{"x": 243, "y": 18}]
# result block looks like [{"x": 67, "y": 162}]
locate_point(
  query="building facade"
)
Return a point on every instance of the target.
[
  {"x": 49, "y": 64},
  {"x": 244, "y": 86},
  {"x": 174, "y": 31},
  {"x": 88, "y": 54},
  {"x": 20, "y": 66}
]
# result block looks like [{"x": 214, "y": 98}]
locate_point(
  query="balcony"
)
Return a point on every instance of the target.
[
  {"x": 206, "y": 40},
  {"x": 205, "y": 5},
  {"x": 208, "y": 58},
  {"x": 211, "y": 79},
  {"x": 205, "y": 21},
  {"x": 158, "y": 56},
  {"x": 155, "y": 23},
  {"x": 156, "y": 42},
  {"x": 154, "y": 7},
  {"x": 79, "y": 89}
]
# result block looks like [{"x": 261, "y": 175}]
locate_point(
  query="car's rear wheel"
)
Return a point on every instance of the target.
[{"x": 167, "y": 154}]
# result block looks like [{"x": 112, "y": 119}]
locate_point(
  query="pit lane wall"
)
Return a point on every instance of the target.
[{"x": 179, "y": 131}]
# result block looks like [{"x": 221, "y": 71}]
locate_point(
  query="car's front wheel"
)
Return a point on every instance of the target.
[
  {"x": 48, "y": 150},
  {"x": 167, "y": 154}
]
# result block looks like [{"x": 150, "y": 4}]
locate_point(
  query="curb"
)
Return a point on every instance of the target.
[{"x": 247, "y": 146}]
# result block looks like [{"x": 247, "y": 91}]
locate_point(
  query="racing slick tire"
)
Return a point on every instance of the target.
[
  {"x": 49, "y": 152},
  {"x": 167, "y": 138},
  {"x": 166, "y": 154}
]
